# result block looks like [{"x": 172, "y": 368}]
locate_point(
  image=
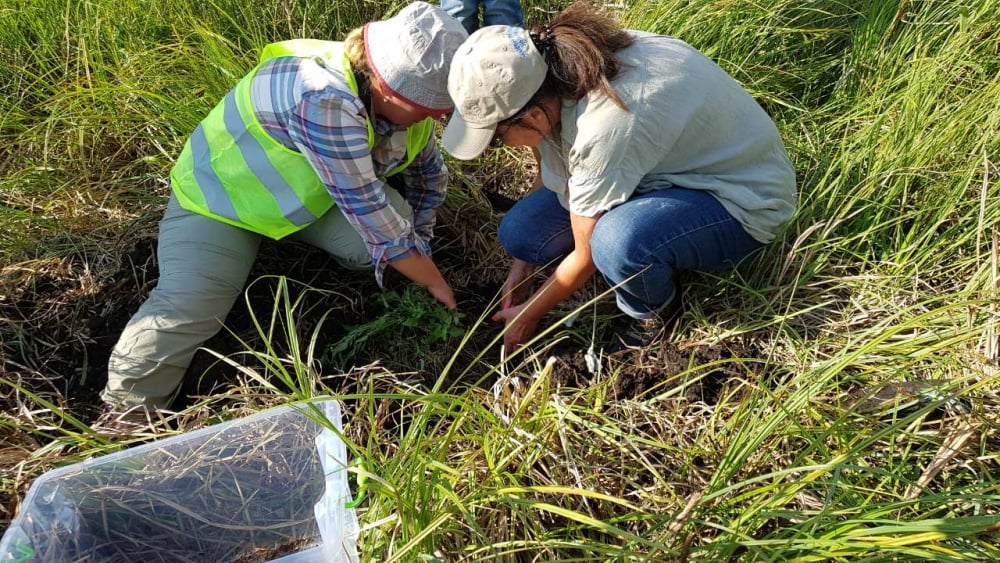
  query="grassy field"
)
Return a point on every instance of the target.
[{"x": 782, "y": 420}]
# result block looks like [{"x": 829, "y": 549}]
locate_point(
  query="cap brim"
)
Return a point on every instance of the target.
[{"x": 463, "y": 141}]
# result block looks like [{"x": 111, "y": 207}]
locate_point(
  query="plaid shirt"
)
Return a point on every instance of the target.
[{"x": 310, "y": 109}]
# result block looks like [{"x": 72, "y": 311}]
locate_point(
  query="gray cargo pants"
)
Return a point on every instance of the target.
[{"x": 204, "y": 265}]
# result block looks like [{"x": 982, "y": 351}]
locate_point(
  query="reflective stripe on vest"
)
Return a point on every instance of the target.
[{"x": 232, "y": 170}]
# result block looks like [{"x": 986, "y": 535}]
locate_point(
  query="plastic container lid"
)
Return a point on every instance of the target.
[{"x": 268, "y": 487}]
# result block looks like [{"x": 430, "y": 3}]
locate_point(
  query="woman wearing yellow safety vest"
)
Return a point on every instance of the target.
[{"x": 300, "y": 148}]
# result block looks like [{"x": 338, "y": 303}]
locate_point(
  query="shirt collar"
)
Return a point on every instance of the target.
[{"x": 383, "y": 127}]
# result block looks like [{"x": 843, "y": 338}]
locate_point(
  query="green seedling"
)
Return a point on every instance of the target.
[{"x": 413, "y": 309}]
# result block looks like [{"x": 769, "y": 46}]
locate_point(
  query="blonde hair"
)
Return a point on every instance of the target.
[{"x": 354, "y": 49}]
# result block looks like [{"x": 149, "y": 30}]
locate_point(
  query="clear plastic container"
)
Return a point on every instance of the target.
[{"x": 269, "y": 487}]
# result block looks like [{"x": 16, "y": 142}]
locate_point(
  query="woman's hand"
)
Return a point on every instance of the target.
[
  {"x": 574, "y": 271},
  {"x": 422, "y": 270},
  {"x": 519, "y": 330},
  {"x": 516, "y": 288},
  {"x": 443, "y": 293}
]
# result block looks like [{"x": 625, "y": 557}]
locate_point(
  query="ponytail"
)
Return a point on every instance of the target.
[{"x": 580, "y": 46}]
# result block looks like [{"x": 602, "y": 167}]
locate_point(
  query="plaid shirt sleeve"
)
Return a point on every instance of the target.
[
  {"x": 426, "y": 180},
  {"x": 330, "y": 130}
]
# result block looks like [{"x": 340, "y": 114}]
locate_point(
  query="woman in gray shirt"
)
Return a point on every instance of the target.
[{"x": 654, "y": 159}]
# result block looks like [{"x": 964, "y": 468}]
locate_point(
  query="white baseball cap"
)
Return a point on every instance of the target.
[
  {"x": 493, "y": 76},
  {"x": 411, "y": 52}
]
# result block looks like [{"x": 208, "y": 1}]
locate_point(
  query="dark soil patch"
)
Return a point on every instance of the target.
[
  {"x": 644, "y": 373},
  {"x": 63, "y": 334},
  {"x": 60, "y": 332}
]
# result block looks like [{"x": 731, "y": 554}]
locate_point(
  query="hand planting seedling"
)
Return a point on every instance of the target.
[{"x": 413, "y": 310}]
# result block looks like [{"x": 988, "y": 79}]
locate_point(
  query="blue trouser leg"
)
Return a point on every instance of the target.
[
  {"x": 640, "y": 244},
  {"x": 503, "y": 12},
  {"x": 465, "y": 11},
  {"x": 495, "y": 12},
  {"x": 644, "y": 242},
  {"x": 537, "y": 229}
]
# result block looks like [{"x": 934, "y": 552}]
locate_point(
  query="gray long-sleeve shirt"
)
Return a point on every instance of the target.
[{"x": 689, "y": 125}]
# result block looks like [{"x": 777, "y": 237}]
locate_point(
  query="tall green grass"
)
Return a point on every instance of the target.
[{"x": 887, "y": 273}]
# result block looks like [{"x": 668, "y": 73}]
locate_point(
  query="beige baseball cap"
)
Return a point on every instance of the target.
[
  {"x": 412, "y": 51},
  {"x": 493, "y": 76}
]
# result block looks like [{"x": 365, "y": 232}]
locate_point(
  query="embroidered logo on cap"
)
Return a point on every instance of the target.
[{"x": 520, "y": 45}]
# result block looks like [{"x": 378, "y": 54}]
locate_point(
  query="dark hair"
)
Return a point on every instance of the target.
[{"x": 580, "y": 46}]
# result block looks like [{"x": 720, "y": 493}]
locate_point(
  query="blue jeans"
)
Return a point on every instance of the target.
[
  {"x": 651, "y": 236},
  {"x": 495, "y": 12}
]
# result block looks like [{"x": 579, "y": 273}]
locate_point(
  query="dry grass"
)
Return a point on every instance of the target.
[{"x": 736, "y": 438}]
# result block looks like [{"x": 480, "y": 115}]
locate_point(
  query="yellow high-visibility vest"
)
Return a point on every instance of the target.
[{"x": 232, "y": 170}]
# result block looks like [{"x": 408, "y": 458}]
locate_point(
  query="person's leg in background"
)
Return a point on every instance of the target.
[
  {"x": 503, "y": 12},
  {"x": 203, "y": 265},
  {"x": 465, "y": 11},
  {"x": 644, "y": 242}
]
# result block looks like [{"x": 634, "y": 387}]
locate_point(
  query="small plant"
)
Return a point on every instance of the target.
[
  {"x": 413, "y": 309},
  {"x": 416, "y": 308}
]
